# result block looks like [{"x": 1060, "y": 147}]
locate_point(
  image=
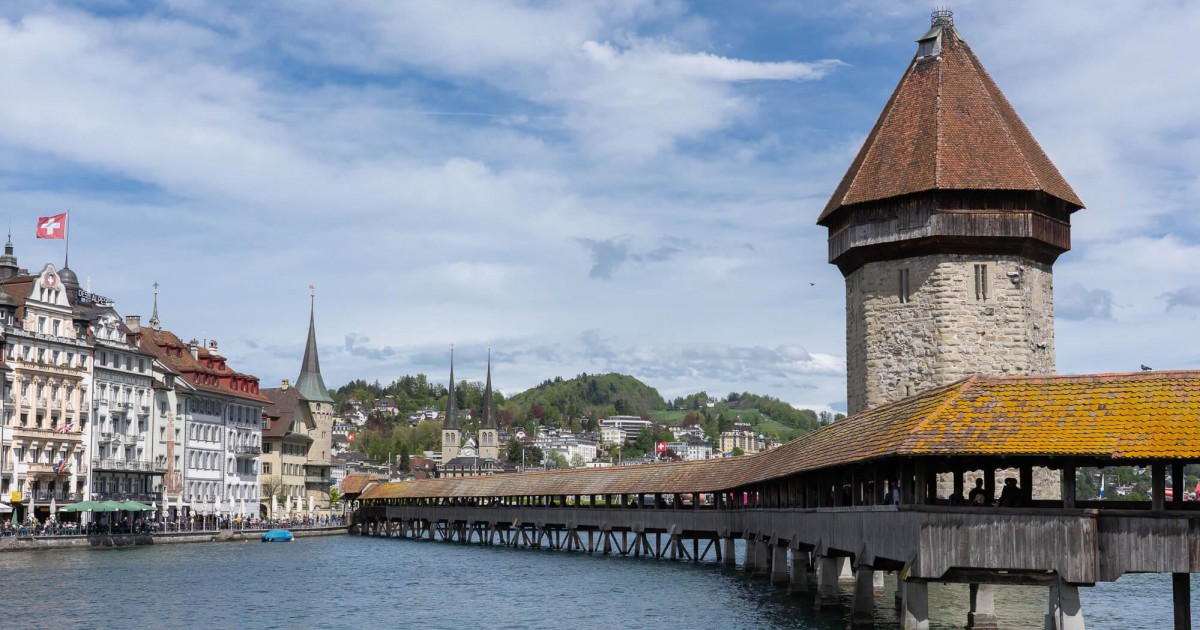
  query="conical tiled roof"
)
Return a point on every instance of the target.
[
  {"x": 947, "y": 127},
  {"x": 451, "y": 404},
  {"x": 310, "y": 383},
  {"x": 489, "y": 410}
]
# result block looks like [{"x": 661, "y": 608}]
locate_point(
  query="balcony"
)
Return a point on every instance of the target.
[
  {"x": 35, "y": 433},
  {"x": 45, "y": 496},
  {"x": 39, "y": 468},
  {"x": 131, "y": 465},
  {"x": 317, "y": 479},
  {"x": 248, "y": 451},
  {"x": 141, "y": 497},
  {"x": 143, "y": 410}
]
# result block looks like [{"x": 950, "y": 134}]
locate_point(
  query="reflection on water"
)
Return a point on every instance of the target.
[{"x": 354, "y": 582}]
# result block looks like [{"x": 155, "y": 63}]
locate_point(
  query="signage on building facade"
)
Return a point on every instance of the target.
[{"x": 92, "y": 298}]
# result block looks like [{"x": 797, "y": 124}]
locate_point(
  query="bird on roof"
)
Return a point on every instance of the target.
[{"x": 1146, "y": 368}]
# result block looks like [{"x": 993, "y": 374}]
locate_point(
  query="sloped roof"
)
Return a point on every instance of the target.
[
  {"x": 355, "y": 484},
  {"x": 172, "y": 352},
  {"x": 310, "y": 382},
  {"x": 1118, "y": 417},
  {"x": 947, "y": 127},
  {"x": 284, "y": 403}
]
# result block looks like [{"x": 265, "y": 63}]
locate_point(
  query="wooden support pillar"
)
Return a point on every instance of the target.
[
  {"x": 1068, "y": 486},
  {"x": 730, "y": 558},
  {"x": 779, "y": 568},
  {"x": 915, "y": 610},
  {"x": 1064, "y": 610},
  {"x": 1026, "y": 482},
  {"x": 989, "y": 484},
  {"x": 1181, "y": 590},
  {"x": 799, "y": 581},
  {"x": 827, "y": 581},
  {"x": 1177, "y": 486},
  {"x": 863, "y": 613},
  {"x": 751, "y": 554},
  {"x": 1158, "y": 491},
  {"x": 983, "y": 608},
  {"x": 921, "y": 484},
  {"x": 762, "y": 558},
  {"x": 876, "y": 486},
  {"x": 958, "y": 483}
]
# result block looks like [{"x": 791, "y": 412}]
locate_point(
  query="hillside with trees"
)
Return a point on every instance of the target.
[{"x": 576, "y": 404}]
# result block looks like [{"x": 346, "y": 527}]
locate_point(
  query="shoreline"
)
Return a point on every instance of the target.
[{"x": 110, "y": 541}]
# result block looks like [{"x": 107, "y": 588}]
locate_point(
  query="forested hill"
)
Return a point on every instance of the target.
[{"x": 617, "y": 393}]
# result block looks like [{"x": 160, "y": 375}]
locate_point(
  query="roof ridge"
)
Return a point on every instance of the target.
[{"x": 937, "y": 124}]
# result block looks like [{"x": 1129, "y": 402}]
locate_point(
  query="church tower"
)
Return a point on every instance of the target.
[
  {"x": 946, "y": 228},
  {"x": 489, "y": 432},
  {"x": 451, "y": 435},
  {"x": 312, "y": 388}
]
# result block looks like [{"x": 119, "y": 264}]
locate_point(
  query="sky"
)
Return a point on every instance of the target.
[{"x": 626, "y": 186}]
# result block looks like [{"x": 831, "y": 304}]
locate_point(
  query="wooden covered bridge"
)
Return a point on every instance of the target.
[{"x": 826, "y": 498}]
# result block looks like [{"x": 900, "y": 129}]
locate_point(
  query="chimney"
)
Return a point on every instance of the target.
[
  {"x": 134, "y": 322},
  {"x": 194, "y": 348},
  {"x": 286, "y": 384}
]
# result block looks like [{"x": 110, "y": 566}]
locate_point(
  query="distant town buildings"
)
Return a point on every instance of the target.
[{"x": 631, "y": 426}]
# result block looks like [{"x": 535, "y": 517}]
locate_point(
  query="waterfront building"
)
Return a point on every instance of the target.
[
  {"x": 46, "y": 455},
  {"x": 124, "y": 462},
  {"x": 222, "y": 417}
]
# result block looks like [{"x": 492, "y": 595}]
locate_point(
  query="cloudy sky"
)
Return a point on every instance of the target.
[{"x": 622, "y": 186}]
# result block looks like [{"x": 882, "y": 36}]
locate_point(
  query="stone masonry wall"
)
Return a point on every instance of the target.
[{"x": 944, "y": 333}]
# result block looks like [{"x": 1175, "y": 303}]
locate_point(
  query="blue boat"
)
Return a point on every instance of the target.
[{"x": 277, "y": 535}]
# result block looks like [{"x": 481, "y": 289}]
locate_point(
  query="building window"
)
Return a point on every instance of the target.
[
  {"x": 981, "y": 282},
  {"x": 905, "y": 293}
]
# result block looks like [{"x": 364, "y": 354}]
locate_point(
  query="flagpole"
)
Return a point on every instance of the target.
[{"x": 67, "y": 255}]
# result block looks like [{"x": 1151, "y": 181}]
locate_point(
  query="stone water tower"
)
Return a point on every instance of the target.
[{"x": 946, "y": 228}]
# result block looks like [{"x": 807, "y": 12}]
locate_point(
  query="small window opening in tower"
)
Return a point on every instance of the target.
[
  {"x": 981, "y": 282},
  {"x": 904, "y": 293}
]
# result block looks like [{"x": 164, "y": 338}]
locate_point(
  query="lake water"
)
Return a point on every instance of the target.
[{"x": 357, "y": 582}]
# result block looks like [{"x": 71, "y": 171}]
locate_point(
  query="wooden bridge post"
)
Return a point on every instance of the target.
[
  {"x": 915, "y": 613},
  {"x": 762, "y": 557},
  {"x": 799, "y": 581},
  {"x": 827, "y": 581},
  {"x": 863, "y": 614},
  {"x": 1065, "y": 612},
  {"x": 983, "y": 608},
  {"x": 779, "y": 568},
  {"x": 730, "y": 552},
  {"x": 751, "y": 554},
  {"x": 1181, "y": 588}
]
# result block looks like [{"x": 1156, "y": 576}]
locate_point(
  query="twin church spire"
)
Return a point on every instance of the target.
[{"x": 488, "y": 440}]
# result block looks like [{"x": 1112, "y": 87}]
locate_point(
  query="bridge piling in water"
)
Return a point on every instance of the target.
[
  {"x": 799, "y": 581},
  {"x": 982, "y": 615},
  {"x": 863, "y": 613}
]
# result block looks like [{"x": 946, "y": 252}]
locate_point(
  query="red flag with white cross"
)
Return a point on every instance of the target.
[{"x": 52, "y": 227}]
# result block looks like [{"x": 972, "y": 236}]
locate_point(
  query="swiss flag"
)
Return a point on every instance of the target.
[
  {"x": 661, "y": 447},
  {"x": 350, "y": 438},
  {"x": 52, "y": 227}
]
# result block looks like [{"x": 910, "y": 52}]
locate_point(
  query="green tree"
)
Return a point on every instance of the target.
[
  {"x": 557, "y": 460},
  {"x": 577, "y": 461},
  {"x": 335, "y": 497}
]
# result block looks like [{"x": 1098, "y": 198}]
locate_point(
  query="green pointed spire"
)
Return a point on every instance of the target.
[
  {"x": 310, "y": 383},
  {"x": 451, "y": 406},
  {"x": 489, "y": 411}
]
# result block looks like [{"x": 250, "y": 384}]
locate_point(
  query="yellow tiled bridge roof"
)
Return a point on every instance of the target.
[{"x": 1122, "y": 418}]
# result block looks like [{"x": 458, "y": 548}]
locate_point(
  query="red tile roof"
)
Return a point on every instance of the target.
[
  {"x": 947, "y": 127},
  {"x": 207, "y": 372}
]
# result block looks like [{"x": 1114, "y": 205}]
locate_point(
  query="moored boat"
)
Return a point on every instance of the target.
[{"x": 277, "y": 535}]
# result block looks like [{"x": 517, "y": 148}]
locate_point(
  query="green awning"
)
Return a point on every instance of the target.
[
  {"x": 107, "y": 506},
  {"x": 82, "y": 506},
  {"x": 134, "y": 506}
]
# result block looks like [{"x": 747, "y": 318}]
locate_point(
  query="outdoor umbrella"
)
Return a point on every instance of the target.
[
  {"x": 135, "y": 506},
  {"x": 310, "y": 506},
  {"x": 274, "y": 506},
  {"x": 53, "y": 507},
  {"x": 5, "y": 508},
  {"x": 82, "y": 506},
  {"x": 108, "y": 506}
]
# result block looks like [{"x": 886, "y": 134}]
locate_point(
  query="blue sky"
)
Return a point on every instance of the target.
[{"x": 628, "y": 187}]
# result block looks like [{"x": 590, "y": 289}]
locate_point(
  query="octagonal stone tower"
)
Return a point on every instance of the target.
[{"x": 946, "y": 228}]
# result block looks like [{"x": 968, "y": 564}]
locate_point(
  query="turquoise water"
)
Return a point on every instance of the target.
[{"x": 356, "y": 582}]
